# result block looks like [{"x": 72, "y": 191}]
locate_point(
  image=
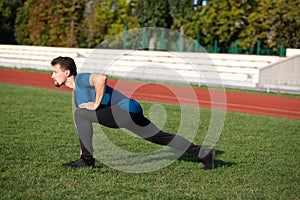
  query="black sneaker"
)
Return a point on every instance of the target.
[
  {"x": 79, "y": 163},
  {"x": 208, "y": 159}
]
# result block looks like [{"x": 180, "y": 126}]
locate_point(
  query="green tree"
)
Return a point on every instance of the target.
[
  {"x": 21, "y": 32},
  {"x": 123, "y": 16},
  {"x": 267, "y": 21},
  {"x": 272, "y": 22},
  {"x": 181, "y": 12},
  {"x": 86, "y": 23},
  {"x": 155, "y": 14},
  {"x": 106, "y": 18},
  {"x": 66, "y": 23},
  {"x": 91, "y": 30},
  {"x": 285, "y": 24},
  {"x": 50, "y": 23},
  {"x": 259, "y": 23},
  {"x": 38, "y": 22},
  {"x": 220, "y": 20},
  {"x": 8, "y": 12}
]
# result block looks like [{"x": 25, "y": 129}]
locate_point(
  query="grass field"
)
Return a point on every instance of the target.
[{"x": 257, "y": 156}]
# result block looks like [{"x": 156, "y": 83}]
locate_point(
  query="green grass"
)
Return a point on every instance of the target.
[{"x": 257, "y": 156}]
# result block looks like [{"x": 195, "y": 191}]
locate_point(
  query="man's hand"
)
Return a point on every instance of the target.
[{"x": 89, "y": 106}]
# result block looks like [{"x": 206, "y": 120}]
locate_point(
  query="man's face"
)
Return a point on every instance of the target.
[{"x": 59, "y": 76}]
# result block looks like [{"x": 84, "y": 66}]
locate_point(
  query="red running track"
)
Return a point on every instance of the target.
[{"x": 233, "y": 101}]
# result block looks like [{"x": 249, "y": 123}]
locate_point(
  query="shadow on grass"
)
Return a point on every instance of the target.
[
  {"x": 218, "y": 163},
  {"x": 168, "y": 157}
]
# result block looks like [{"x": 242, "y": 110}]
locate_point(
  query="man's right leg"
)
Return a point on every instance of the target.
[{"x": 83, "y": 119}]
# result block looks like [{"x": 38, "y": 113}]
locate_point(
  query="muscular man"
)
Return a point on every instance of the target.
[{"x": 96, "y": 102}]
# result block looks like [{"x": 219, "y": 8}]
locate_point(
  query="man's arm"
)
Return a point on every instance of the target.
[{"x": 99, "y": 82}]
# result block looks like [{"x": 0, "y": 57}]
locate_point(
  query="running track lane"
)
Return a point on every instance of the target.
[{"x": 239, "y": 102}]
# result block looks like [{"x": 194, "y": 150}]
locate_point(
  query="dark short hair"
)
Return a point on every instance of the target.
[{"x": 66, "y": 63}]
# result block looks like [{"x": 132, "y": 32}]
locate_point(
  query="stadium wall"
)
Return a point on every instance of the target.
[
  {"x": 283, "y": 75},
  {"x": 229, "y": 70}
]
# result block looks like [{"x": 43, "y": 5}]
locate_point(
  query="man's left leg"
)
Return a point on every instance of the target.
[{"x": 143, "y": 127}]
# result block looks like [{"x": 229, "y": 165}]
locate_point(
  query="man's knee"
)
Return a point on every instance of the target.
[{"x": 161, "y": 138}]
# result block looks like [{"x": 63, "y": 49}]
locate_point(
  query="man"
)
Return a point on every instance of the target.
[{"x": 96, "y": 102}]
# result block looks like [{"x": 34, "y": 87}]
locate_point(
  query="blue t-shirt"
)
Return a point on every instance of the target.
[{"x": 84, "y": 93}]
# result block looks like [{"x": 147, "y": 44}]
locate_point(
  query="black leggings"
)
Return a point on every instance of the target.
[{"x": 115, "y": 117}]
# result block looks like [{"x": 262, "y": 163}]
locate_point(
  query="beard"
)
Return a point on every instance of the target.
[{"x": 57, "y": 84}]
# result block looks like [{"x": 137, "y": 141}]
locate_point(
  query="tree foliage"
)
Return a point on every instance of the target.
[
  {"x": 66, "y": 25},
  {"x": 105, "y": 18},
  {"x": 181, "y": 11},
  {"x": 220, "y": 20},
  {"x": 21, "y": 33},
  {"x": 86, "y": 23},
  {"x": 154, "y": 14},
  {"x": 50, "y": 23},
  {"x": 8, "y": 12},
  {"x": 267, "y": 21}
]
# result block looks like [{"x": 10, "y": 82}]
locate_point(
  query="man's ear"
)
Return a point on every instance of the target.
[{"x": 67, "y": 73}]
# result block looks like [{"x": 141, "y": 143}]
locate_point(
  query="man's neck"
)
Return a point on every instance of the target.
[{"x": 70, "y": 83}]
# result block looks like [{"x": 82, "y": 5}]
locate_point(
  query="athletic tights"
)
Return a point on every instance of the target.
[{"x": 115, "y": 117}]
